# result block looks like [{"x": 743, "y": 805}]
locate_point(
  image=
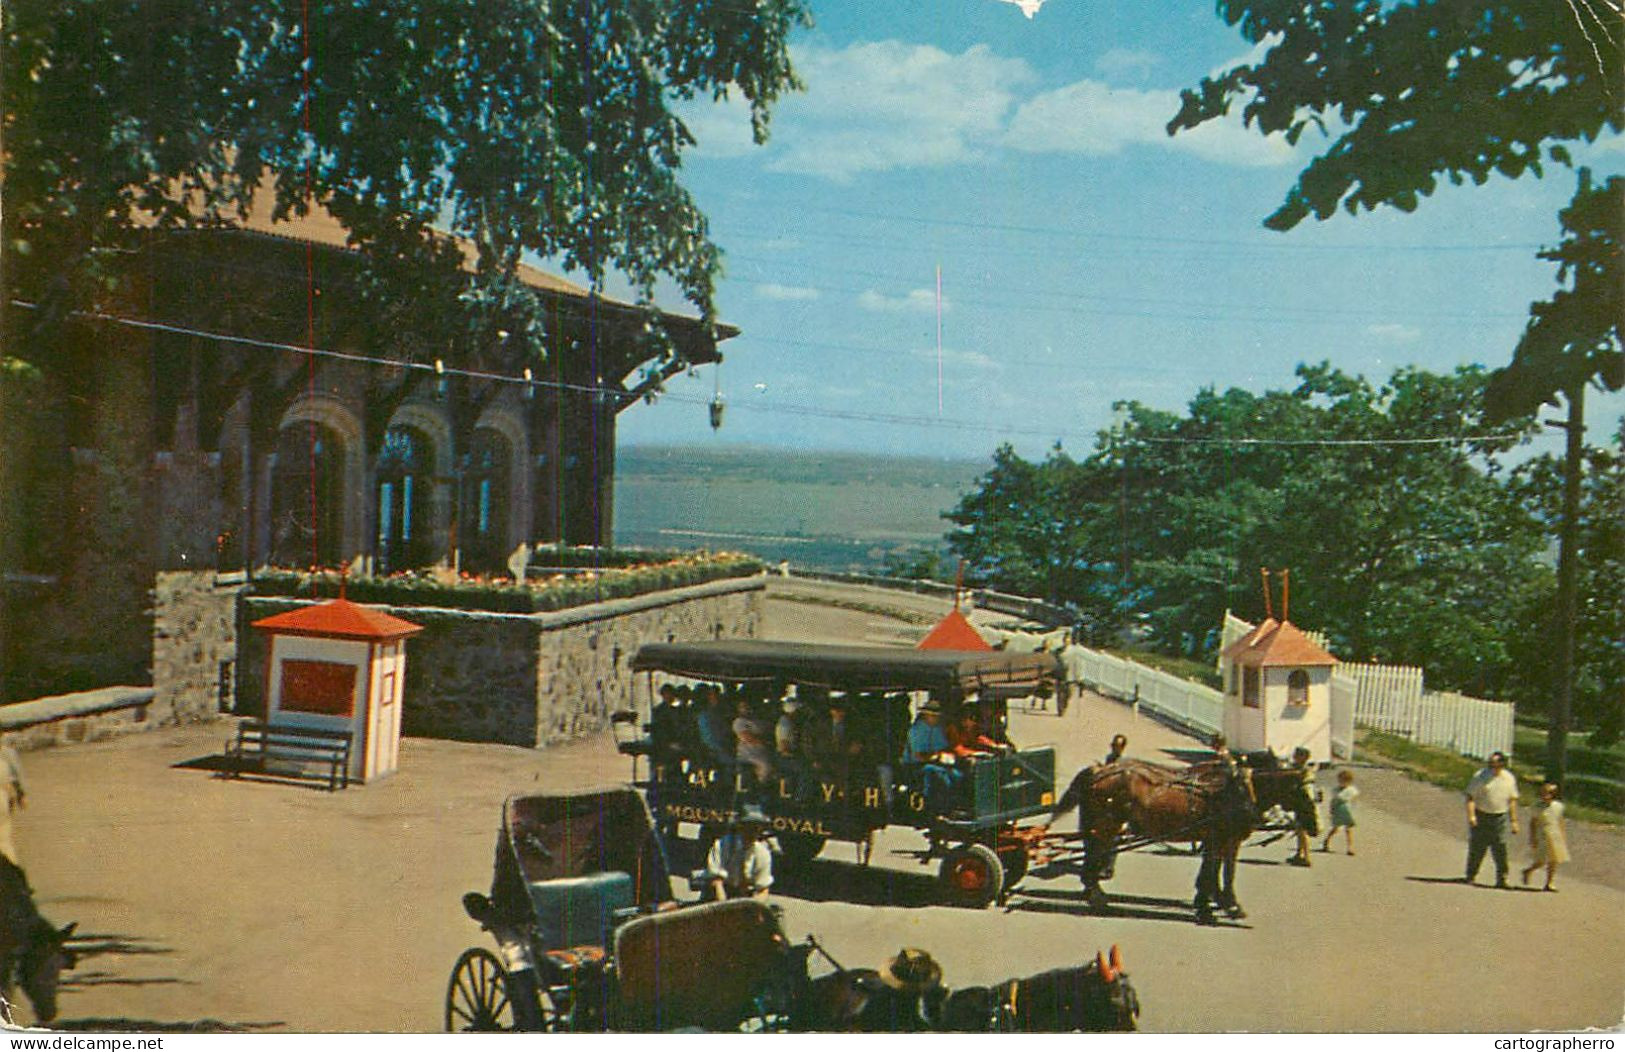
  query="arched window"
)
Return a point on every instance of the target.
[
  {"x": 1297, "y": 687},
  {"x": 307, "y": 497},
  {"x": 405, "y": 482},
  {"x": 482, "y": 521}
]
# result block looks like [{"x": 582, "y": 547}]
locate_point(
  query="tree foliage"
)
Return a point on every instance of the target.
[
  {"x": 1402, "y": 548},
  {"x": 526, "y": 126},
  {"x": 1573, "y": 338},
  {"x": 1413, "y": 91}
]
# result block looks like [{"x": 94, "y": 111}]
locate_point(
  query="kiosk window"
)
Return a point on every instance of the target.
[
  {"x": 1297, "y": 687},
  {"x": 1249, "y": 687},
  {"x": 321, "y": 688}
]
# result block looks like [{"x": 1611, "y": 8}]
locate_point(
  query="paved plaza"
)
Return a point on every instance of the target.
[{"x": 207, "y": 903}]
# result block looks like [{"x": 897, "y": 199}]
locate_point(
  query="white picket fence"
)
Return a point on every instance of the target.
[
  {"x": 1190, "y": 705},
  {"x": 1392, "y": 698}
]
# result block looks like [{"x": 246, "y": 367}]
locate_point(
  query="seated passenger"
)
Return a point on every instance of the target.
[
  {"x": 715, "y": 726},
  {"x": 739, "y": 864},
  {"x": 831, "y": 742},
  {"x": 666, "y": 726},
  {"x": 965, "y": 737},
  {"x": 928, "y": 746},
  {"x": 791, "y": 741},
  {"x": 753, "y": 739}
]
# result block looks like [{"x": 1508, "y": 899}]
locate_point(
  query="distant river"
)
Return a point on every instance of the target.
[{"x": 824, "y": 511}]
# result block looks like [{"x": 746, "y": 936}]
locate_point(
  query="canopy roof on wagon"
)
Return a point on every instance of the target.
[{"x": 848, "y": 668}]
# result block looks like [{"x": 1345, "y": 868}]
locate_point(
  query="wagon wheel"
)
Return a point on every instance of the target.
[
  {"x": 1013, "y": 859},
  {"x": 972, "y": 875},
  {"x": 798, "y": 849},
  {"x": 477, "y": 996}
]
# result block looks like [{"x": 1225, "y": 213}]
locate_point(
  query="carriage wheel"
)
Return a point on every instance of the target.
[
  {"x": 798, "y": 849},
  {"x": 972, "y": 875},
  {"x": 1013, "y": 859},
  {"x": 477, "y": 996}
]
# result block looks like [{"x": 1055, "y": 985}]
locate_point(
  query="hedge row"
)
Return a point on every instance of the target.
[{"x": 556, "y": 593}]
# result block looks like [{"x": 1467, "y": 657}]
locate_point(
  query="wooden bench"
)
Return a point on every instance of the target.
[{"x": 264, "y": 741}]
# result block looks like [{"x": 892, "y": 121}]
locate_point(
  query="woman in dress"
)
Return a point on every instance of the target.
[{"x": 1546, "y": 837}]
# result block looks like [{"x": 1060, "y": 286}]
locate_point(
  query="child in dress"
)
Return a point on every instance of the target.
[
  {"x": 1343, "y": 810},
  {"x": 1546, "y": 838}
]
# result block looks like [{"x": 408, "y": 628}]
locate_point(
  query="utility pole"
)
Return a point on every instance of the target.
[{"x": 1567, "y": 572}]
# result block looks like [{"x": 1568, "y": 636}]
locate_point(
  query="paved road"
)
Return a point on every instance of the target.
[{"x": 209, "y": 903}]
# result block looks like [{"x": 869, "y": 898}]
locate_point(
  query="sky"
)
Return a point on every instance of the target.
[{"x": 1085, "y": 257}]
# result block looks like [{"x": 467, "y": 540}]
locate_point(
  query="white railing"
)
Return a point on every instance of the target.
[
  {"x": 1470, "y": 726},
  {"x": 1387, "y": 697},
  {"x": 1188, "y": 704}
]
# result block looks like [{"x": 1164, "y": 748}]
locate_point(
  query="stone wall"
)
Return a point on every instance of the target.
[
  {"x": 66, "y": 719},
  {"x": 528, "y": 679},
  {"x": 194, "y": 644}
]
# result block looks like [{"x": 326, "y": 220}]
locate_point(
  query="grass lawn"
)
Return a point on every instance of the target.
[{"x": 1587, "y": 797}]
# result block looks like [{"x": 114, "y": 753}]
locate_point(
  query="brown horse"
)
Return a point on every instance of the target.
[
  {"x": 32, "y": 951},
  {"x": 1213, "y": 804}
]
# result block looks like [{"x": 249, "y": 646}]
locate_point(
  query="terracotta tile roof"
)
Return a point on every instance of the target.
[
  {"x": 338, "y": 619},
  {"x": 1275, "y": 644},
  {"x": 953, "y": 632},
  {"x": 320, "y": 227}
]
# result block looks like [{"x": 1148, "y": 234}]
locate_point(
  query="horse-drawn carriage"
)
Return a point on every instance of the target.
[
  {"x": 850, "y": 793},
  {"x": 995, "y": 826},
  {"x": 590, "y": 938}
]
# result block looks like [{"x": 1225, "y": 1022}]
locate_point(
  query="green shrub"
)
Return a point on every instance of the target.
[{"x": 503, "y": 596}]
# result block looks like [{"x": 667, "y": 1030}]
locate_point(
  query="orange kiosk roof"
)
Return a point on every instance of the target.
[
  {"x": 338, "y": 619},
  {"x": 953, "y": 632}
]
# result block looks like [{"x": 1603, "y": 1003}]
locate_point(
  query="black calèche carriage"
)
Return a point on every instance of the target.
[
  {"x": 590, "y": 939},
  {"x": 813, "y": 801}
]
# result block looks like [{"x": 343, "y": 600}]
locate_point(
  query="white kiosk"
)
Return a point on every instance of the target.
[
  {"x": 338, "y": 666},
  {"x": 1277, "y": 692}
]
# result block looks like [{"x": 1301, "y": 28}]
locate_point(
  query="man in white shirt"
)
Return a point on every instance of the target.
[
  {"x": 1492, "y": 807},
  {"x": 740, "y": 865}
]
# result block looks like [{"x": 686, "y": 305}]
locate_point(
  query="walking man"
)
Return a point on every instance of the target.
[{"x": 1492, "y": 808}]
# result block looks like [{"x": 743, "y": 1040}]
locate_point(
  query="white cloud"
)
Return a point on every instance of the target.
[
  {"x": 881, "y": 105},
  {"x": 1394, "y": 333},
  {"x": 721, "y": 129},
  {"x": 773, "y": 291},
  {"x": 1091, "y": 117},
  {"x": 1126, "y": 64},
  {"x": 884, "y": 105},
  {"x": 916, "y": 301}
]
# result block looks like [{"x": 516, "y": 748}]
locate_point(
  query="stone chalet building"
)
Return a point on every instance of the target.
[{"x": 152, "y": 449}]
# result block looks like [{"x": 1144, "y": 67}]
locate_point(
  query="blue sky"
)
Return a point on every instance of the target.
[{"x": 1085, "y": 256}]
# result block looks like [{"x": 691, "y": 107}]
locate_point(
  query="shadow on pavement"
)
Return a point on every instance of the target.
[
  {"x": 1129, "y": 907},
  {"x": 827, "y": 880},
  {"x": 122, "y": 1024}
]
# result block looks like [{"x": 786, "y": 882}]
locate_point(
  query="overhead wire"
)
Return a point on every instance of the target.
[{"x": 438, "y": 367}]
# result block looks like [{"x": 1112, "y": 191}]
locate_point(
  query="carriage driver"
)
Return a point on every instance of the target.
[{"x": 739, "y": 865}]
